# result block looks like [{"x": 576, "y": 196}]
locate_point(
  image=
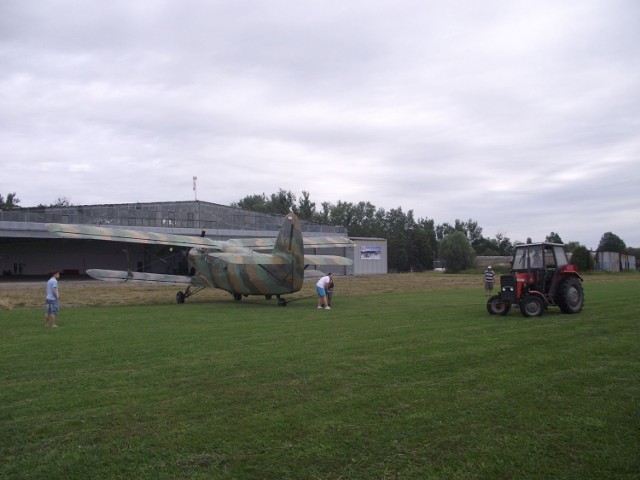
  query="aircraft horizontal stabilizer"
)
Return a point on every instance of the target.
[
  {"x": 87, "y": 232},
  {"x": 327, "y": 242},
  {"x": 250, "y": 258},
  {"x": 120, "y": 276},
  {"x": 309, "y": 242},
  {"x": 326, "y": 260}
]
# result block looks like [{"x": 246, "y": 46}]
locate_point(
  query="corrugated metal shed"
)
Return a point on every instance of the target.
[{"x": 615, "y": 262}]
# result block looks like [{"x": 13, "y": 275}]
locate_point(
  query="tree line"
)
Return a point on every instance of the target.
[
  {"x": 12, "y": 201},
  {"x": 413, "y": 243}
]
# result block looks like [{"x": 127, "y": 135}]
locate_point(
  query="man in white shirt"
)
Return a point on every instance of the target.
[
  {"x": 321, "y": 290},
  {"x": 53, "y": 298}
]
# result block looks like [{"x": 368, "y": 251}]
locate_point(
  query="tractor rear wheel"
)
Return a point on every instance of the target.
[
  {"x": 497, "y": 306},
  {"x": 532, "y": 306},
  {"x": 570, "y": 295}
]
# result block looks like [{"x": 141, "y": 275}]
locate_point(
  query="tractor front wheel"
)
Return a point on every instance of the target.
[
  {"x": 497, "y": 306},
  {"x": 570, "y": 296},
  {"x": 532, "y": 306}
]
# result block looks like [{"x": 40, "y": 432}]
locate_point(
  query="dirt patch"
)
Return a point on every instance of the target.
[{"x": 95, "y": 293}]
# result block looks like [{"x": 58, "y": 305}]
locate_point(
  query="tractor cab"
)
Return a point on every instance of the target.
[
  {"x": 538, "y": 255},
  {"x": 536, "y": 264},
  {"x": 541, "y": 275}
]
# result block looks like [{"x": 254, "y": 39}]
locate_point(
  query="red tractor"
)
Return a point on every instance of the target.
[{"x": 541, "y": 275}]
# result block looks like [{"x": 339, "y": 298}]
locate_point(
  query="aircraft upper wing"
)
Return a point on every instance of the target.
[
  {"x": 120, "y": 276},
  {"x": 133, "y": 236},
  {"x": 89, "y": 232}
]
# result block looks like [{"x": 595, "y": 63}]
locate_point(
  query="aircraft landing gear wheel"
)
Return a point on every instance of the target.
[
  {"x": 532, "y": 306},
  {"x": 497, "y": 306},
  {"x": 180, "y": 297},
  {"x": 282, "y": 302},
  {"x": 237, "y": 297}
]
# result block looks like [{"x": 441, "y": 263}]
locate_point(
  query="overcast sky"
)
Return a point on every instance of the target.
[{"x": 521, "y": 115}]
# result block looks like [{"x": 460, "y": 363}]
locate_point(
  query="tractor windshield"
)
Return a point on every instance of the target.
[
  {"x": 519, "y": 259},
  {"x": 561, "y": 256},
  {"x": 527, "y": 257}
]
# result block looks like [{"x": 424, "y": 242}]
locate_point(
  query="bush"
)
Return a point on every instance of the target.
[
  {"x": 582, "y": 259},
  {"x": 457, "y": 252}
]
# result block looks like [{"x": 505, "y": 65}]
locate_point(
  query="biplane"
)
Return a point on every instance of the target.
[{"x": 248, "y": 266}]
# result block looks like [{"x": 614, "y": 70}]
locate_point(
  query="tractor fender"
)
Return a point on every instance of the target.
[
  {"x": 538, "y": 293},
  {"x": 570, "y": 271}
]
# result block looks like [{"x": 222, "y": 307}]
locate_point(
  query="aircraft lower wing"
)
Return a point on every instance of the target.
[{"x": 120, "y": 276}]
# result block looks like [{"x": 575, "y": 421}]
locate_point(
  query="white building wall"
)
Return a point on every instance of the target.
[
  {"x": 608, "y": 261},
  {"x": 370, "y": 256}
]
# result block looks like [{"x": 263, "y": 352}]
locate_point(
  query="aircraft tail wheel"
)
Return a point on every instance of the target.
[{"x": 180, "y": 297}]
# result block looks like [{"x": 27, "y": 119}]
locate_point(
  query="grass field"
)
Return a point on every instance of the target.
[{"x": 408, "y": 377}]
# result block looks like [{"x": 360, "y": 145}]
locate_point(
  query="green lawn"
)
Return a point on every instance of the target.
[{"x": 391, "y": 386}]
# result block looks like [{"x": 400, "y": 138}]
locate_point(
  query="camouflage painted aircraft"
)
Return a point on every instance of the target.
[{"x": 242, "y": 267}]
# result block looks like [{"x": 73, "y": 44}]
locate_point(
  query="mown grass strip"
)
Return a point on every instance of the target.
[{"x": 392, "y": 385}]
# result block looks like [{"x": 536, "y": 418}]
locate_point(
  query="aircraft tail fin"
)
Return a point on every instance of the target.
[{"x": 290, "y": 247}]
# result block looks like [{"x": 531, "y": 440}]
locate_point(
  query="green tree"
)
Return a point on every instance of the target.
[
  {"x": 443, "y": 230},
  {"x": 471, "y": 229},
  {"x": 10, "y": 202},
  {"x": 397, "y": 233},
  {"x": 553, "y": 237},
  {"x": 62, "y": 202},
  {"x": 486, "y": 247},
  {"x": 610, "y": 242},
  {"x": 255, "y": 203},
  {"x": 421, "y": 252},
  {"x": 581, "y": 258},
  {"x": 282, "y": 202},
  {"x": 341, "y": 214},
  {"x": 457, "y": 252},
  {"x": 571, "y": 246},
  {"x": 502, "y": 244},
  {"x": 306, "y": 208},
  {"x": 364, "y": 221}
]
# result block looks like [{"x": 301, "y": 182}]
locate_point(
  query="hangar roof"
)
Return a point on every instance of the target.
[{"x": 185, "y": 217}]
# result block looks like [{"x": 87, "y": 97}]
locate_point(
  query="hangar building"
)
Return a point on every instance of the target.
[{"x": 28, "y": 249}]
